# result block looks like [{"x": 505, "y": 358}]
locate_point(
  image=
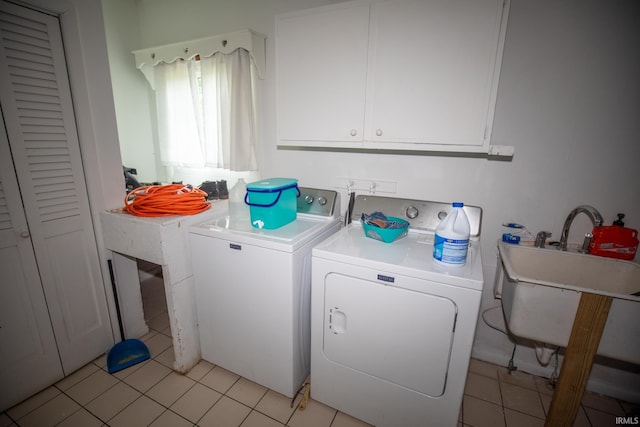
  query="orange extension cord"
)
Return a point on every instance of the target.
[{"x": 166, "y": 200}]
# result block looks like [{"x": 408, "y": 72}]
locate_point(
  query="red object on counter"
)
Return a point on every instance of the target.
[{"x": 613, "y": 241}]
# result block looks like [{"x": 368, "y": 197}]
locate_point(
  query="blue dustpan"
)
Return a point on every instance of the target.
[{"x": 127, "y": 352}]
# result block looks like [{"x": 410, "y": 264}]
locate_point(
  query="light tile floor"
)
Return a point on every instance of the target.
[{"x": 151, "y": 394}]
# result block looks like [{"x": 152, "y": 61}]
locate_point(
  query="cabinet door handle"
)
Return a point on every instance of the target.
[
  {"x": 353, "y": 132},
  {"x": 24, "y": 234},
  {"x": 379, "y": 132}
]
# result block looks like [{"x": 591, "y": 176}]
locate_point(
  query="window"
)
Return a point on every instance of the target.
[{"x": 206, "y": 111}]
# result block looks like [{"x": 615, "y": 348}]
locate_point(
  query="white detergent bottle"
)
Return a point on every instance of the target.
[
  {"x": 238, "y": 209},
  {"x": 452, "y": 238}
]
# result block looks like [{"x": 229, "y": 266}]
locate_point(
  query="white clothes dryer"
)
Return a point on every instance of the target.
[
  {"x": 253, "y": 291},
  {"x": 392, "y": 330}
]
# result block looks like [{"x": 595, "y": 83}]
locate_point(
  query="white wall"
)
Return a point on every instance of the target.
[
  {"x": 568, "y": 101},
  {"x": 131, "y": 96}
]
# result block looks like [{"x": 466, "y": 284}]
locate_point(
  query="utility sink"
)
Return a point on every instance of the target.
[
  {"x": 541, "y": 289},
  {"x": 574, "y": 271}
]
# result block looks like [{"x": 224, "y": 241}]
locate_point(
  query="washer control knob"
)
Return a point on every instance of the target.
[
  {"x": 442, "y": 215},
  {"x": 308, "y": 198},
  {"x": 412, "y": 212},
  {"x": 322, "y": 200}
]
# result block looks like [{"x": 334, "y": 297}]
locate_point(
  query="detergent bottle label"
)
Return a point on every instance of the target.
[{"x": 450, "y": 251}]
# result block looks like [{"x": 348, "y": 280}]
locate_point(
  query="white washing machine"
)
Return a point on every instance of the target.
[
  {"x": 253, "y": 291},
  {"x": 391, "y": 330}
]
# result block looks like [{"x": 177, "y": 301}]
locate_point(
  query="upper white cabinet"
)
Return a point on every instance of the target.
[
  {"x": 321, "y": 74},
  {"x": 390, "y": 74}
]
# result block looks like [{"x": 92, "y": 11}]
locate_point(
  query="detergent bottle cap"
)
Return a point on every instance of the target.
[{"x": 619, "y": 220}]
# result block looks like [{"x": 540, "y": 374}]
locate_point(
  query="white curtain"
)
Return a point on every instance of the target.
[
  {"x": 177, "y": 118},
  {"x": 209, "y": 121}
]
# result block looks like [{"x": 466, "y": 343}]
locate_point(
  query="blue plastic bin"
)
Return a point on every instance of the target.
[
  {"x": 387, "y": 235},
  {"x": 272, "y": 202}
]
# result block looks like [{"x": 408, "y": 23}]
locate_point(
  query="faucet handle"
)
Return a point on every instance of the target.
[
  {"x": 541, "y": 238},
  {"x": 586, "y": 244}
]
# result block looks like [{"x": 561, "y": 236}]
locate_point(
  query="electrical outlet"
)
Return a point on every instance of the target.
[{"x": 366, "y": 185}]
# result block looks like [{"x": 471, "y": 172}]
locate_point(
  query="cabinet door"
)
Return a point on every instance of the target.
[
  {"x": 321, "y": 61},
  {"x": 29, "y": 358},
  {"x": 40, "y": 125},
  {"x": 434, "y": 67}
]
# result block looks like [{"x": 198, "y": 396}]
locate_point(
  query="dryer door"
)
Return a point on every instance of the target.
[{"x": 394, "y": 334}]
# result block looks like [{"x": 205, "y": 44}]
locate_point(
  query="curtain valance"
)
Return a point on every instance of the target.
[{"x": 254, "y": 43}]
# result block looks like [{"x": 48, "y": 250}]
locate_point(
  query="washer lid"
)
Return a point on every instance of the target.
[{"x": 288, "y": 237}]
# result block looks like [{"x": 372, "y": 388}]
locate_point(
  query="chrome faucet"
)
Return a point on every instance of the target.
[
  {"x": 541, "y": 238},
  {"x": 590, "y": 211}
]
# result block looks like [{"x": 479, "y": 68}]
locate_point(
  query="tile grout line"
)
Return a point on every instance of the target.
[
  {"x": 154, "y": 332},
  {"x": 504, "y": 412},
  {"x": 119, "y": 380},
  {"x": 544, "y": 410},
  {"x": 224, "y": 394},
  {"x": 85, "y": 405}
]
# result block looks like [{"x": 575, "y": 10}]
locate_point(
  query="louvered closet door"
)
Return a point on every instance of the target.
[
  {"x": 28, "y": 354},
  {"x": 38, "y": 116}
]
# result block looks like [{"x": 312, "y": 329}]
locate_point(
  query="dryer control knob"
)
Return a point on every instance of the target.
[
  {"x": 412, "y": 212},
  {"x": 322, "y": 200},
  {"x": 308, "y": 199}
]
